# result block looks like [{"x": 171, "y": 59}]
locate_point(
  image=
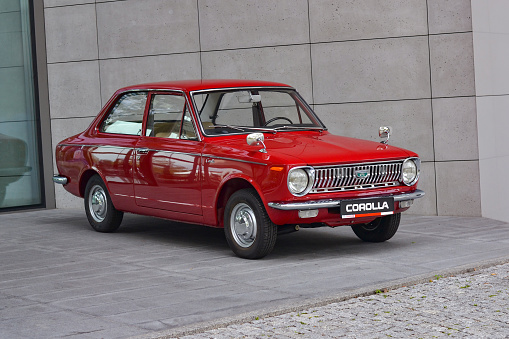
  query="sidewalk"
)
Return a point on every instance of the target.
[
  {"x": 58, "y": 278},
  {"x": 473, "y": 305}
]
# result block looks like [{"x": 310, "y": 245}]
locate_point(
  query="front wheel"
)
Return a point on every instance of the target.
[
  {"x": 379, "y": 230},
  {"x": 247, "y": 227},
  {"x": 101, "y": 214}
]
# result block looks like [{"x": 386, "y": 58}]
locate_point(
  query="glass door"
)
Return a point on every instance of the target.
[{"x": 20, "y": 175}]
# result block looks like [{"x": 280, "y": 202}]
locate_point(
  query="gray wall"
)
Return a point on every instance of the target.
[
  {"x": 404, "y": 63},
  {"x": 491, "y": 46}
]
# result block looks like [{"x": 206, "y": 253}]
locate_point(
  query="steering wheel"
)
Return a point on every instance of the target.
[{"x": 278, "y": 118}]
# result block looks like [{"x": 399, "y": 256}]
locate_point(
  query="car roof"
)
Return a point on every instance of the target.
[{"x": 196, "y": 85}]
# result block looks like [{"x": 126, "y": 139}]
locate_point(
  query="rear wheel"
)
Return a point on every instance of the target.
[
  {"x": 379, "y": 230},
  {"x": 248, "y": 229},
  {"x": 101, "y": 214}
]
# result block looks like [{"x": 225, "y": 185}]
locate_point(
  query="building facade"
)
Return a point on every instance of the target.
[{"x": 434, "y": 70}]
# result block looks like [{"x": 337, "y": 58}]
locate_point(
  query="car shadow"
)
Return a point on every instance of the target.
[{"x": 317, "y": 242}]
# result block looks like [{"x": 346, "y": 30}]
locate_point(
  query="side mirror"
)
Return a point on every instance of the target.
[
  {"x": 255, "y": 139},
  {"x": 385, "y": 132}
]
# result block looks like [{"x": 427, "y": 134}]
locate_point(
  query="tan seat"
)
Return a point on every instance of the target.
[{"x": 165, "y": 129}]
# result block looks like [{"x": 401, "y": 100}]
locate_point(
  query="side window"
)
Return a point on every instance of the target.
[
  {"x": 169, "y": 118},
  {"x": 126, "y": 117}
]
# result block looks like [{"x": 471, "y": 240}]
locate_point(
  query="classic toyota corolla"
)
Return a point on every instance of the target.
[{"x": 247, "y": 156}]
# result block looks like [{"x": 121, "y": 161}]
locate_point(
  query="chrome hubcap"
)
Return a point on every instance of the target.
[
  {"x": 97, "y": 203},
  {"x": 243, "y": 222}
]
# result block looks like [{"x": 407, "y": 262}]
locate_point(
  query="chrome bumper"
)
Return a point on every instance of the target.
[
  {"x": 330, "y": 203},
  {"x": 58, "y": 179}
]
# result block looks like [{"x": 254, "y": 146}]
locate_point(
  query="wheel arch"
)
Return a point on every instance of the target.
[
  {"x": 85, "y": 177},
  {"x": 229, "y": 187}
]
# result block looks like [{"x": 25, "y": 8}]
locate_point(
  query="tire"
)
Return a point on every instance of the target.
[
  {"x": 379, "y": 230},
  {"x": 101, "y": 214},
  {"x": 248, "y": 229}
]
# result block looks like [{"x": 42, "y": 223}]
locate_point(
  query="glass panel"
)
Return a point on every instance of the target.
[
  {"x": 165, "y": 116},
  {"x": 126, "y": 117},
  {"x": 188, "y": 131},
  {"x": 20, "y": 179},
  {"x": 245, "y": 111},
  {"x": 281, "y": 108}
]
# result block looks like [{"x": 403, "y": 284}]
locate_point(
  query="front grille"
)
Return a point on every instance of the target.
[{"x": 343, "y": 178}]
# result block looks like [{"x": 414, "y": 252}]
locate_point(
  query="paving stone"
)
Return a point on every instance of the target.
[{"x": 473, "y": 305}]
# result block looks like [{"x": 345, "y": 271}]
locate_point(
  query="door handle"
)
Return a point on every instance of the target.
[{"x": 142, "y": 150}]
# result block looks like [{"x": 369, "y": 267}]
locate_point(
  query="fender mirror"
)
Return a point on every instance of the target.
[
  {"x": 255, "y": 139},
  {"x": 385, "y": 132}
]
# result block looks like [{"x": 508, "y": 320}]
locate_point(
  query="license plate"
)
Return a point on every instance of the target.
[{"x": 367, "y": 207}]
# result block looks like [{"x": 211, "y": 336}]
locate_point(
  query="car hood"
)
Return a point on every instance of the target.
[{"x": 314, "y": 148}]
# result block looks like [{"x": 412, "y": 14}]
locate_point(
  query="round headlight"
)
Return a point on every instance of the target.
[
  {"x": 409, "y": 172},
  {"x": 298, "y": 181}
]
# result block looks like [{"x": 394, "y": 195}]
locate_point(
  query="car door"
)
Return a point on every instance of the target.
[
  {"x": 168, "y": 157},
  {"x": 112, "y": 152}
]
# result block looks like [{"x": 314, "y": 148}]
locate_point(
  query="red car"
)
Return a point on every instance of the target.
[{"x": 247, "y": 156}]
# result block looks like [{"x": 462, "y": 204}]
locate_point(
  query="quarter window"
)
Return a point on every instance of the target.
[{"x": 127, "y": 115}]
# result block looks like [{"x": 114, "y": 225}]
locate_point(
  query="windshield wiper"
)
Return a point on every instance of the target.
[
  {"x": 300, "y": 127},
  {"x": 229, "y": 126},
  {"x": 244, "y": 128}
]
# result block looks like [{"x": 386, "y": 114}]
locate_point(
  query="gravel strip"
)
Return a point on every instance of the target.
[{"x": 473, "y": 305}]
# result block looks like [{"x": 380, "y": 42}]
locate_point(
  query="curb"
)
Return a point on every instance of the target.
[{"x": 311, "y": 303}]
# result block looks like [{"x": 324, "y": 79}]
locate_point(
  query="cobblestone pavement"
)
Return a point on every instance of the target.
[{"x": 472, "y": 305}]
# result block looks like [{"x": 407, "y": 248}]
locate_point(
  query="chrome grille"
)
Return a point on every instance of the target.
[{"x": 343, "y": 178}]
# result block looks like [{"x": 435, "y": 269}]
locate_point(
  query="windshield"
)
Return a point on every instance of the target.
[{"x": 242, "y": 111}]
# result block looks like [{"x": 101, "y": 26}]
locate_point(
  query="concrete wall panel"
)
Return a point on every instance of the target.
[
  {"x": 491, "y": 47},
  {"x": 241, "y": 24},
  {"x": 146, "y": 69},
  {"x": 149, "y": 27},
  {"x": 428, "y": 204},
  {"x": 458, "y": 188},
  {"x": 364, "y": 63},
  {"x": 366, "y": 19},
  {"x": 71, "y": 33},
  {"x": 452, "y": 64},
  {"x": 74, "y": 89},
  {"x": 371, "y": 70},
  {"x": 448, "y": 16},
  {"x": 491, "y": 66},
  {"x": 58, "y": 3},
  {"x": 411, "y": 121},
  {"x": 455, "y": 129},
  {"x": 287, "y": 64},
  {"x": 494, "y": 188},
  {"x": 490, "y": 16},
  {"x": 493, "y": 121}
]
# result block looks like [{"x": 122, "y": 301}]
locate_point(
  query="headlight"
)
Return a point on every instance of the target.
[
  {"x": 300, "y": 180},
  {"x": 410, "y": 171}
]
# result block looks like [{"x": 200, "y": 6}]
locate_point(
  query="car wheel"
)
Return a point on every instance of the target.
[
  {"x": 248, "y": 229},
  {"x": 101, "y": 214},
  {"x": 379, "y": 230}
]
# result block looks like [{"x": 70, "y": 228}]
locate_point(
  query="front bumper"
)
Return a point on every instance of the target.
[{"x": 334, "y": 203}]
